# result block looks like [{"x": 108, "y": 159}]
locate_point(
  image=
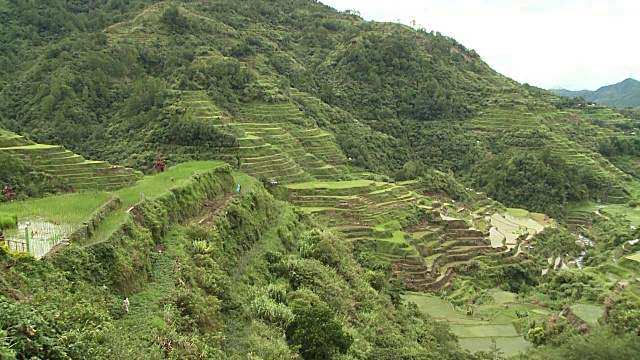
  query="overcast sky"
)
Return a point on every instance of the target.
[{"x": 574, "y": 44}]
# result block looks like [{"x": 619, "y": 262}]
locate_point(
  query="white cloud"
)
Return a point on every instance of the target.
[{"x": 574, "y": 44}]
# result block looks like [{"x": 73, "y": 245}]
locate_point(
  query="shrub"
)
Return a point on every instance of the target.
[
  {"x": 316, "y": 331},
  {"x": 536, "y": 335}
]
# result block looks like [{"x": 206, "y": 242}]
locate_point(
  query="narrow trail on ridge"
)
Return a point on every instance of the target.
[
  {"x": 167, "y": 257},
  {"x": 147, "y": 309}
]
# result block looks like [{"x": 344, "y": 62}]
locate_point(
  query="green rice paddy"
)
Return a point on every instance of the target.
[
  {"x": 473, "y": 333},
  {"x": 622, "y": 211},
  {"x": 635, "y": 257},
  {"x": 502, "y": 297},
  {"x": 588, "y": 313},
  {"x": 156, "y": 185},
  {"x": 69, "y": 209},
  {"x": 330, "y": 185}
]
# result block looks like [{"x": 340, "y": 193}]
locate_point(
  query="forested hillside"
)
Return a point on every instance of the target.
[
  {"x": 377, "y": 177},
  {"x": 113, "y": 81}
]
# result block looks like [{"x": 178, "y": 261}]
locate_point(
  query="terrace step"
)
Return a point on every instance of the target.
[{"x": 74, "y": 169}]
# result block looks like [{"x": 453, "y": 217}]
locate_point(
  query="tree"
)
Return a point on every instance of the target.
[
  {"x": 495, "y": 351},
  {"x": 316, "y": 332},
  {"x": 537, "y": 335},
  {"x": 174, "y": 19}
]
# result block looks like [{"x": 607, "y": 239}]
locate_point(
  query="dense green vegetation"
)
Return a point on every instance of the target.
[
  {"x": 218, "y": 290},
  {"x": 400, "y": 149},
  {"x": 540, "y": 182},
  {"x": 113, "y": 83},
  {"x": 25, "y": 180}
]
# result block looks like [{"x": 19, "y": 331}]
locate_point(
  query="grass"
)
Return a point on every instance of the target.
[
  {"x": 613, "y": 210},
  {"x": 634, "y": 257},
  {"x": 313, "y": 209},
  {"x": 330, "y": 185},
  {"x": 436, "y": 307},
  {"x": 8, "y": 221},
  {"x": 418, "y": 235},
  {"x": 151, "y": 186},
  {"x": 146, "y": 311},
  {"x": 474, "y": 334},
  {"x": 484, "y": 330},
  {"x": 588, "y": 313},
  {"x": 398, "y": 237},
  {"x": 409, "y": 182},
  {"x": 50, "y": 219},
  {"x": 69, "y": 209},
  {"x": 393, "y": 225},
  {"x": 249, "y": 137},
  {"x": 244, "y": 180},
  {"x": 156, "y": 185},
  {"x": 31, "y": 147},
  {"x": 517, "y": 212},
  {"x": 502, "y": 297},
  {"x": 508, "y": 345}
]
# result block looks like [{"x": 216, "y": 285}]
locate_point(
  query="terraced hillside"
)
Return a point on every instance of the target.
[
  {"x": 496, "y": 119},
  {"x": 411, "y": 231},
  {"x": 75, "y": 171},
  {"x": 575, "y": 136},
  {"x": 89, "y": 218},
  {"x": 278, "y": 142},
  {"x": 331, "y": 113},
  {"x": 477, "y": 328},
  {"x": 275, "y": 141}
]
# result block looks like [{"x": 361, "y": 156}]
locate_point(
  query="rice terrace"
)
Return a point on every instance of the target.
[{"x": 284, "y": 180}]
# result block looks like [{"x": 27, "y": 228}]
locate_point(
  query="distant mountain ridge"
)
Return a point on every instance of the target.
[{"x": 623, "y": 94}]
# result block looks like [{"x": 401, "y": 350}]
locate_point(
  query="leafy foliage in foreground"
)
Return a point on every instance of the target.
[{"x": 222, "y": 290}]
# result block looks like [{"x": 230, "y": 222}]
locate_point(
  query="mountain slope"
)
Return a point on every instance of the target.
[
  {"x": 52, "y": 166},
  {"x": 193, "y": 80},
  {"x": 623, "y": 94},
  {"x": 367, "y": 128}
]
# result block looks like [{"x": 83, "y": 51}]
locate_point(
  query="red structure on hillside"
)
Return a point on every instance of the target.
[
  {"x": 8, "y": 193},
  {"x": 160, "y": 164}
]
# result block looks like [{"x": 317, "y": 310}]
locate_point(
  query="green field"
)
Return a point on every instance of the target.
[
  {"x": 522, "y": 213},
  {"x": 57, "y": 216},
  {"x": 622, "y": 211},
  {"x": 438, "y": 308},
  {"x": 330, "y": 185},
  {"x": 473, "y": 333},
  {"x": 149, "y": 187},
  {"x": 156, "y": 185},
  {"x": 635, "y": 257},
  {"x": 508, "y": 345},
  {"x": 244, "y": 180},
  {"x": 43, "y": 223},
  {"x": 69, "y": 209},
  {"x": 588, "y": 313},
  {"x": 503, "y": 297}
]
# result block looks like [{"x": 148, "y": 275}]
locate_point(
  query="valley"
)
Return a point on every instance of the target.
[{"x": 334, "y": 188}]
